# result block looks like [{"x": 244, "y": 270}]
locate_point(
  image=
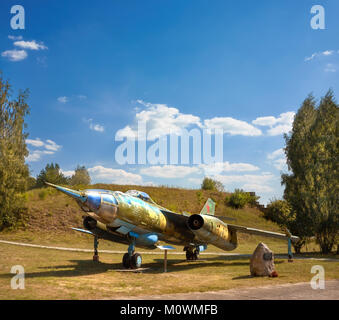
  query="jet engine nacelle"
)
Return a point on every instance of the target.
[{"x": 208, "y": 229}]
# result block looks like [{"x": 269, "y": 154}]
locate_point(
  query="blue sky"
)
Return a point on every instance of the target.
[{"x": 93, "y": 68}]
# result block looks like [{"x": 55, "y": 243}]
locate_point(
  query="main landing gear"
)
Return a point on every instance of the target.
[
  {"x": 131, "y": 259},
  {"x": 192, "y": 254},
  {"x": 96, "y": 254}
]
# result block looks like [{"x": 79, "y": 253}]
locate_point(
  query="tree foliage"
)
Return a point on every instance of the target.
[
  {"x": 80, "y": 176},
  {"x": 51, "y": 173},
  {"x": 239, "y": 198},
  {"x": 211, "y": 184},
  {"x": 13, "y": 150},
  {"x": 312, "y": 157}
]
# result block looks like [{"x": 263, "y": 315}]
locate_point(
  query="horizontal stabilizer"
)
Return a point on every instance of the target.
[
  {"x": 263, "y": 233},
  {"x": 166, "y": 247},
  {"x": 224, "y": 218},
  {"x": 84, "y": 231}
]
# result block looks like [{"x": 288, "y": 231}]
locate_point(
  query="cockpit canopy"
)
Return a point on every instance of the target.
[{"x": 141, "y": 195}]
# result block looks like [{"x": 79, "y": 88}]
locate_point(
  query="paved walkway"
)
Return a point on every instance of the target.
[{"x": 296, "y": 291}]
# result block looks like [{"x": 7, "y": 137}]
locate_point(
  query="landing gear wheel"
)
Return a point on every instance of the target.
[
  {"x": 195, "y": 255},
  {"x": 126, "y": 261},
  {"x": 189, "y": 255},
  {"x": 136, "y": 261}
]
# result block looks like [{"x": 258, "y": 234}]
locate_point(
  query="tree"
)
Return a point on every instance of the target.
[
  {"x": 13, "y": 150},
  {"x": 52, "y": 174},
  {"x": 239, "y": 198},
  {"x": 211, "y": 184},
  {"x": 312, "y": 187},
  {"x": 280, "y": 212},
  {"x": 80, "y": 176},
  {"x": 322, "y": 195}
]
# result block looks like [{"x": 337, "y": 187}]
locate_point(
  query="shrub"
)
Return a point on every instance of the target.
[
  {"x": 239, "y": 198},
  {"x": 278, "y": 211},
  {"x": 211, "y": 184},
  {"x": 43, "y": 194}
]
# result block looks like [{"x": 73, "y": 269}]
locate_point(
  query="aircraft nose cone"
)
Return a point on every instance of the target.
[{"x": 93, "y": 201}]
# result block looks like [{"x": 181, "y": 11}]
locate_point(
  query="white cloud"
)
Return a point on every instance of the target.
[
  {"x": 51, "y": 145},
  {"x": 219, "y": 167},
  {"x": 68, "y": 174},
  {"x": 259, "y": 183},
  {"x": 232, "y": 126},
  {"x": 35, "y": 155},
  {"x": 280, "y": 164},
  {"x": 94, "y": 126},
  {"x": 163, "y": 120},
  {"x": 325, "y": 53},
  {"x": 280, "y": 125},
  {"x": 82, "y": 97},
  {"x": 252, "y": 187},
  {"x": 246, "y": 178},
  {"x": 330, "y": 68},
  {"x": 169, "y": 171},
  {"x": 63, "y": 99},
  {"x": 276, "y": 154},
  {"x": 14, "y": 55},
  {"x": 48, "y": 148},
  {"x": 30, "y": 45},
  {"x": 126, "y": 132},
  {"x": 15, "y": 38},
  {"x": 117, "y": 176},
  {"x": 97, "y": 127},
  {"x": 278, "y": 159},
  {"x": 196, "y": 181},
  {"x": 35, "y": 143}
]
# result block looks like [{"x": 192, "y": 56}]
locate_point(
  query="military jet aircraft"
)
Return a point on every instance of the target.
[{"x": 133, "y": 218}]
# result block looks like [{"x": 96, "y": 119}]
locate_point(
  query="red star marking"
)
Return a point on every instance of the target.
[{"x": 208, "y": 208}]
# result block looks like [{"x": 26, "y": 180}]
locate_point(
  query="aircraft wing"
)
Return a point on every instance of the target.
[{"x": 263, "y": 232}]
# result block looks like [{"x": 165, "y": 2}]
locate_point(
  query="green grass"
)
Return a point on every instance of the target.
[{"x": 51, "y": 274}]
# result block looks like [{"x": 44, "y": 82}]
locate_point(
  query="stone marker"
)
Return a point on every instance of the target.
[{"x": 262, "y": 261}]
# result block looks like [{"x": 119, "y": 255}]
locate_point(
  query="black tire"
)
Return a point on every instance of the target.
[
  {"x": 195, "y": 255},
  {"x": 126, "y": 261},
  {"x": 189, "y": 255},
  {"x": 136, "y": 261}
]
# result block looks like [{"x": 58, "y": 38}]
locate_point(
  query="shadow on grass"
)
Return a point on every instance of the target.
[
  {"x": 89, "y": 267},
  {"x": 243, "y": 277}
]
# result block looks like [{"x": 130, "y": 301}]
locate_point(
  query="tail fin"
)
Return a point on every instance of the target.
[{"x": 209, "y": 207}]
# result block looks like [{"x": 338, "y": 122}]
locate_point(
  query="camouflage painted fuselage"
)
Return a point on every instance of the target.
[{"x": 125, "y": 215}]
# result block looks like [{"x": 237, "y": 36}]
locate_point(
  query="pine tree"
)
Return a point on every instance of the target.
[
  {"x": 14, "y": 172},
  {"x": 81, "y": 176},
  {"x": 51, "y": 173}
]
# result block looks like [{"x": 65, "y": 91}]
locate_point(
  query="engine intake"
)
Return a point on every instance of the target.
[{"x": 90, "y": 223}]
